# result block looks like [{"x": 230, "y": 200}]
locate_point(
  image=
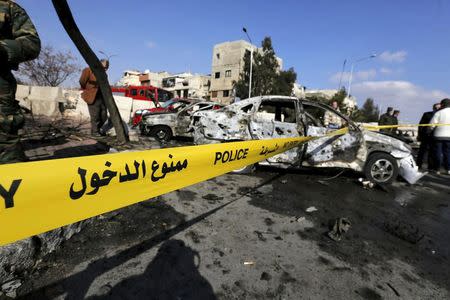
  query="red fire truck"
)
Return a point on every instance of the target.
[{"x": 154, "y": 95}]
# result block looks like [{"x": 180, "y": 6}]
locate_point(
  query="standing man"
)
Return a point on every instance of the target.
[
  {"x": 425, "y": 137},
  {"x": 94, "y": 99},
  {"x": 441, "y": 137},
  {"x": 19, "y": 42},
  {"x": 387, "y": 119}
]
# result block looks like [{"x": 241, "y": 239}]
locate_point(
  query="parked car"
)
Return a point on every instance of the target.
[
  {"x": 174, "y": 122},
  {"x": 168, "y": 106},
  {"x": 381, "y": 158}
]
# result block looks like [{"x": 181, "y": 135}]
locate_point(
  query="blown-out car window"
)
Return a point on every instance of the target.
[
  {"x": 322, "y": 117},
  {"x": 280, "y": 111}
]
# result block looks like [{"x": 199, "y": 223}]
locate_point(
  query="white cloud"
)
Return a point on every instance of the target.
[
  {"x": 357, "y": 76},
  {"x": 410, "y": 99},
  {"x": 150, "y": 45},
  {"x": 398, "y": 56}
]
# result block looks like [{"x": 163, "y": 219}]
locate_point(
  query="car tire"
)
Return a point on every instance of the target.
[
  {"x": 245, "y": 170},
  {"x": 381, "y": 168},
  {"x": 162, "y": 133},
  {"x": 145, "y": 130}
]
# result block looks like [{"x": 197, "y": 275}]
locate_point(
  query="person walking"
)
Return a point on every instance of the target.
[
  {"x": 425, "y": 137},
  {"x": 441, "y": 137},
  {"x": 93, "y": 97},
  {"x": 19, "y": 42},
  {"x": 387, "y": 119}
]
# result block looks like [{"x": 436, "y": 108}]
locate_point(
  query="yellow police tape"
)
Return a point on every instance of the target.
[
  {"x": 376, "y": 127},
  {"x": 36, "y": 197}
]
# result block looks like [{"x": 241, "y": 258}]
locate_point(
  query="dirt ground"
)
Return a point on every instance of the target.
[{"x": 250, "y": 237}]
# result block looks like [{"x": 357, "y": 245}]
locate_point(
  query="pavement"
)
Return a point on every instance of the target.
[{"x": 251, "y": 237}]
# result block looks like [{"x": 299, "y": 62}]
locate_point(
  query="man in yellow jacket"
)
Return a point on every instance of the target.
[{"x": 93, "y": 97}]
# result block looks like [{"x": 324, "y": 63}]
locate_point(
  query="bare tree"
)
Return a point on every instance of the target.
[{"x": 51, "y": 68}]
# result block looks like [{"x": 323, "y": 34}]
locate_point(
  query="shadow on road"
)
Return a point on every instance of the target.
[
  {"x": 77, "y": 285},
  {"x": 173, "y": 274}
]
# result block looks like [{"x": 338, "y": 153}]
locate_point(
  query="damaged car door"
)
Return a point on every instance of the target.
[
  {"x": 184, "y": 117},
  {"x": 278, "y": 118},
  {"x": 330, "y": 151}
]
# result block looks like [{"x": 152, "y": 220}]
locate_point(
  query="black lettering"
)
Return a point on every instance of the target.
[
  {"x": 74, "y": 195},
  {"x": 239, "y": 154},
  {"x": 245, "y": 153},
  {"x": 8, "y": 196},
  {"x": 235, "y": 155},
  {"x": 227, "y": 154},
  {"x": 218, "y": 157}
]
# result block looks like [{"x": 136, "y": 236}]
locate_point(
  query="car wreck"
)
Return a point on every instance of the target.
[
  {"x": 381, "y": 158},
  {"x": 174, "y": 122}
]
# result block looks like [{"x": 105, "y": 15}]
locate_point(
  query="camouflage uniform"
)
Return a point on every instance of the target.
[{"x": 19, "y": 42}]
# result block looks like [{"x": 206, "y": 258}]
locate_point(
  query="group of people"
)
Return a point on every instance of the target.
[
  {"x": 390, "y": 118},
  {"x": 434, "y": 137}
]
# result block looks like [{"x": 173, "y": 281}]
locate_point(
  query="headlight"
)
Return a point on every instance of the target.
[{"x": 138, "y": 112}]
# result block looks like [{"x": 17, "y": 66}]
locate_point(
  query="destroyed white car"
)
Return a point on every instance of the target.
[
  {"x": 176, "y": 122},
  {"x": 381, "y": 158}
]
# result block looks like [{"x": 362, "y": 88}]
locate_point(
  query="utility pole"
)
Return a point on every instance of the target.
[
  {"x": 65, "y": 16},
  {"x": 251, "y": 63}
]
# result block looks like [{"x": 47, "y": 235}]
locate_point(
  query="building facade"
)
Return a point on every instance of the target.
[
  {"x": 187, "y": 85},
  {"x": 227, "y": 65}
]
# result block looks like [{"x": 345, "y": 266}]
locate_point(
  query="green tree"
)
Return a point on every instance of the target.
[
  {"x": 266, "y": 77},
  {"x": 369, "y": 112}
]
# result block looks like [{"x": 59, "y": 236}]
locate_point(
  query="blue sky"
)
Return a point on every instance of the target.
[{"x": 411, "y": 39}]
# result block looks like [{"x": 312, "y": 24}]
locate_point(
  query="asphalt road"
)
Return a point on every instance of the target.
[{"x": 250, "y": 237}]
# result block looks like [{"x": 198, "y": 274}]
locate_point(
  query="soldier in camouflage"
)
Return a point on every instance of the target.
[{"x": 19, "y": 42}]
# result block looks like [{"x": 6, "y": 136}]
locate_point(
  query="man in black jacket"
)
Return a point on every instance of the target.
[
  {"x": 425, "y": 137},
  {"x": 387, "y": 119}
]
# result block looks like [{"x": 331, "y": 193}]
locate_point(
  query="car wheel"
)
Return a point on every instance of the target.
[
  {"x": 244, "y": 170},
  {"x": 381, "y": 168},
  {"x": 162, "y": 133},
  {"x": 144, "y": 129}
]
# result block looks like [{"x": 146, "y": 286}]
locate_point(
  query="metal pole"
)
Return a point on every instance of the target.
[
  {"x": 251, "y": 73},
  {"x": 350, "y": 80},
  {"x": 342, "y": 73},
  {"x": 351, "y": 72},
  {"x": 251, "y": 63}
]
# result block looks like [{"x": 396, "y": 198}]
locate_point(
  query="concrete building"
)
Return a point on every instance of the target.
[
  {"x": 129, "y": 78},
  {"x": 153, "y": 78},
  {"x": 187, "y": 85},
  {"x": 227, "y": 65}
]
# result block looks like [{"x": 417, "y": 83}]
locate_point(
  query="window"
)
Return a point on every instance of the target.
[
  {"x": 141, "y": 93},
  {"x": 282, "y": 111},
  {"x": 218, "y": 55},
  {"x": 226, "y": 93},
  {"x": 321, "y": 117},
  {"x": 217, "y": 75},
  {"x": 214, "y": 94},
  {"x": 133, "y": 92},
  {"x": 228, "y": 73}
]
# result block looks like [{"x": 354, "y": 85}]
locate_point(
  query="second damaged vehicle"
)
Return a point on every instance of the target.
[
  {"x": 381, "y": 158},
  {"x": 174, "y": 122}
]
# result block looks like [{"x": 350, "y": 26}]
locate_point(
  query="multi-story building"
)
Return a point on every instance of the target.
[
  {"x": 153, "y": 78},
  {"x": 187, "y": 85},
  {"x": 129, "y": 78},
  {"x": 227, "y": 65}
]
